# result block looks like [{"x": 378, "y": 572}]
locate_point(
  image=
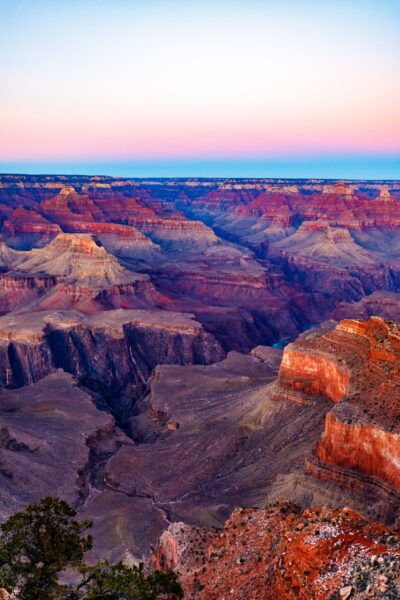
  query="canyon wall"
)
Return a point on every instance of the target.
[
  {"x": 356, "y": 366},
  {"x": 107, "y": 352}
]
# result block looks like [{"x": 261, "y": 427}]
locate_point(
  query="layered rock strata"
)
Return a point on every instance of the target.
[
  {"x": 107, "y": 351},
  {"x": 356, "y": 366}
]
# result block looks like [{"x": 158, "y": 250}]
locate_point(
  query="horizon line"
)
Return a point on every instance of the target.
[{"x": 200, "y": 177}]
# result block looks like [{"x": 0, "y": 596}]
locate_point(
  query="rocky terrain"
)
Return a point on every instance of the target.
[
  {"x": 174, "y": 349},
  {"x": 281, "y": 552}
]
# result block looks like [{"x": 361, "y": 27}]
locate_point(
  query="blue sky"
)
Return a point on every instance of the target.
[{"x": 330, "y": 167}]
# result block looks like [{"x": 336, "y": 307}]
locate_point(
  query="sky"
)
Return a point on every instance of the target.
[{"x": 296, "y": 88}]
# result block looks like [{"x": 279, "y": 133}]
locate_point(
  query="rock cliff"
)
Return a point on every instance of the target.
[
  {"x": 356, "y": 365},
  {"x": 25, "y": 229},
  {"x": 318, "y": 244},
  {"x": 107, "y": 351}
]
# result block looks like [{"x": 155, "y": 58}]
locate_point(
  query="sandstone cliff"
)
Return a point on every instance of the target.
[{"x": 356, "y": 366}]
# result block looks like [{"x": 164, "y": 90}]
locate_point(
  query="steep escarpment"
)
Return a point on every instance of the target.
[
  {"x": 148, "y": 292},
  {"x": 25, "y": 229},
  {"x": 131, "y": 496},
  {"x": 356, "y": 365},
  {"x": 316, "y": 374},
  {"x": 238, "y": 438},
  {"x": 107, "y": 351}
]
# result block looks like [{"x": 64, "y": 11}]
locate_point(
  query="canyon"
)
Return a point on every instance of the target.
[{"x": 195, "y": 364}]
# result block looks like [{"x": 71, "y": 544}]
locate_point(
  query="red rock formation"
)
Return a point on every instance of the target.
[
  {"x": 384, "y": 194},
  {"x": 300, "y": 226},
  {"x": 17, "y": 290},
  {"x": 68, "y": 206},
  {"x": 121, "y": 240},
  {"x": 338, "y": 189},
  {"x": 280, "y": 553},
  {"x": 362, "y": 447},
  {"x": 25, "y": 229},
  {"x": 182, "y": 548},
  {"x": 382, "y": 303},
  {"x": 225, "y": 198},
  {"x": 270, "y": 206},
  {"x": 76, "y": 259},
  {"x": 110, "y": 349},
  {"x": 74, "y": 271},
  {"x": 315, "y": 374},
  {"x": 357, "y": 366}
]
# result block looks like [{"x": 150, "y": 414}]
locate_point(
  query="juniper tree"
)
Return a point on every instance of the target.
[{"x": 37, "y": 544}]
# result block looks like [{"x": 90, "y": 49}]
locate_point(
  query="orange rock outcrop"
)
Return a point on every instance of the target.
[
  {"x": 281, "y": 553},
  {"x": 357, "y": 366}
]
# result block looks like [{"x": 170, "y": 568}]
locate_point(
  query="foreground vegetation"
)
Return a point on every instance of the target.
[{"x": 42, "y": 544}]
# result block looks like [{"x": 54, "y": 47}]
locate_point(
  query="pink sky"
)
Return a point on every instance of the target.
[{"x": 174, "y": 79}]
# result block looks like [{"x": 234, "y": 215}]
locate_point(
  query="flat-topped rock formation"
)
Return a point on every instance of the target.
[{"x": 338, "y": 189}]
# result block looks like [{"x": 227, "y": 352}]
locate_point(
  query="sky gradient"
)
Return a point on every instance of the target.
[{"x": 179, "y": 87}]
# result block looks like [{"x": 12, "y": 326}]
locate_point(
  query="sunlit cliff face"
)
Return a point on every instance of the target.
[{"x": 356, "y": 365}]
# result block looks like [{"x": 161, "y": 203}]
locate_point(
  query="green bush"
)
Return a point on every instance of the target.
[{"x": 39, "y": 543}]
